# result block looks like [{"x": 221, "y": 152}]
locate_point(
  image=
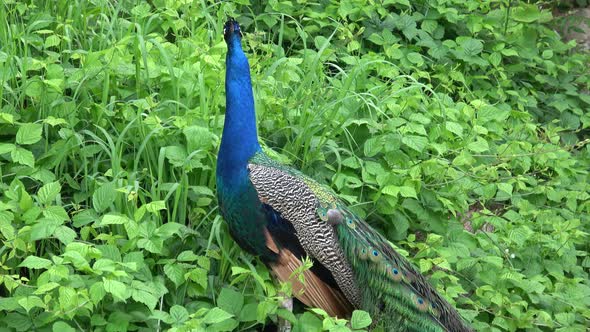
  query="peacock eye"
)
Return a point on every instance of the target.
[
  {"x": 420, "y": 300},
  {"x": 375, "y": 253},
  {"x": 395, "y": 271}
]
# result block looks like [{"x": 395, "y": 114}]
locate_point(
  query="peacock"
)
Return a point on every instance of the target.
[{"x": 283, "y": 216}]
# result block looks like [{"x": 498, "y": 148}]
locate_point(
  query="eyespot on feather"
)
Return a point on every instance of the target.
[
  {"x": 420, "y": 302},
  {"x": 434, "y": 310},
  {"x": 394, "y": 273},
  {"x": 363, "y": 253},
  {"x": 374, "y": 255},
  {"x": 350, "y": 222}
]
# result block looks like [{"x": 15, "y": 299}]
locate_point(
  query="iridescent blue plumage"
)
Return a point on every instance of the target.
[{"x": 237, "y": 197}]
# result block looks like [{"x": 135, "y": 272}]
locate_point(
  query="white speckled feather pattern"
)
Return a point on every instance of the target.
[{"x": 295, "y": 201}]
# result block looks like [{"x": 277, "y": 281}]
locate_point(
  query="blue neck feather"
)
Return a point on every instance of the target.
[{"x": 239, "y": 141}]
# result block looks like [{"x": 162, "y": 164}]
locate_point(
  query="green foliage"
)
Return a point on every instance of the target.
[{"x": 429, "y": 117}]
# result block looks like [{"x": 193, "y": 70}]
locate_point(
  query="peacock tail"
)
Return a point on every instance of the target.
[
  {"x": 393, "y": 291},
  {"x": 283, "y": 216}
]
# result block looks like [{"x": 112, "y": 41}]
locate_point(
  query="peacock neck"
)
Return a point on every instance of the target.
[{"x": 239, "y": 141}]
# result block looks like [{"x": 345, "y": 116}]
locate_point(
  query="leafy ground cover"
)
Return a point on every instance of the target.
[{"x": 457, "y": 128}]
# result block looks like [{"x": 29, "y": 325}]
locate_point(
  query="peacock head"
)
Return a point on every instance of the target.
[{"x": 231, "y": 28}]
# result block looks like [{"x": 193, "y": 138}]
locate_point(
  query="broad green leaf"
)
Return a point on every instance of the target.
[
  {"x": 6, "y": 228},
  {"x": 6, "y": 147},
  {"x": 199, "y": 276},
  {"x": 18, "y": 321},
  {"x": 29, "y": 133},
  {"x": 154, "y": 245},
  {"x": 132, "y": 228},
  {"x": 565, "y": 318},
  {"x": 360, "y": 319},
  {"x": 479, "y": 146},
  {"x": 155, "y": 206},
  {"x": 187, "y": 256},
  {"x": 23, "y": 157},
  {"x": 415, "y": 58},
  {"x": 493, "y": 260},
  {"x": 46, "y": 288},
  {"x": 97, "y": 292},
  {"x": 104, "y": 196},
  {"x": 31, "y": 302},
  {"x": 52, "y": 121},
  {"x": 509, "y": 52},
  {"x": 231, "y": 324},
  {"x": 505, "y": 187},
  {"x": 204, "y": 262},
  {"x": 116, "y": 288},
  {"x": 529, "y": 13},
  {"x": 56, "y": 213},
  {"x": 198, "y": 138},
  {"x": 417, "y": 143},
  {"x": 68, "y": 298},
  {"x": 178, "y": 314},
  {"x": 6, "y": 118},
  {"x": 176, "y": 155},
  {"x": 495, "y": 59},
  {"x": 77, "y": 259},
  {"x": 309, "y": 322},
  {"x": 9, "y": 304},
  {"x": 547, "y": 54},
  {"x": 34, "y": 262},
  {"x": 216, "y": 315},
  {"x": 65, "y": 234},
  {"x": 162, "y": 315},
  {"x": 104, "y": 265},
  {"x": 44, "y": 228},
  {"x": 169, "y": 229},
  {"x": 175, "y": 273},
  {"x": 455, "y": 128},
  {"x": 84, "y": 217},
  {"x": 248, "y": 313},
  {"x": 48, "y": 192},
  {"x": 429, "y": 26},
  {"x": 230, "y": 301},
  {"x": 390, "y": 190},
  {"x": 406, "y": 191},
  {"x": 139, "y": 213},
  {"x": 62, "y": 327},
  {"x": 488, "y": 113},
  {"x": 472, "y": 47},
  {"x": 372, "y": 147},
  {"x": 113, "y": 219},
  {"x": 143, "y": 293},
  {"x": 52, "y": 41}
]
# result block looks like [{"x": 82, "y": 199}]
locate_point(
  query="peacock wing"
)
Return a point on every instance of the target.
[{"x": 285, "y": 191}]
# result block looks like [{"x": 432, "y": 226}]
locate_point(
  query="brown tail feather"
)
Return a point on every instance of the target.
[{"x": 314, "y": 292}]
